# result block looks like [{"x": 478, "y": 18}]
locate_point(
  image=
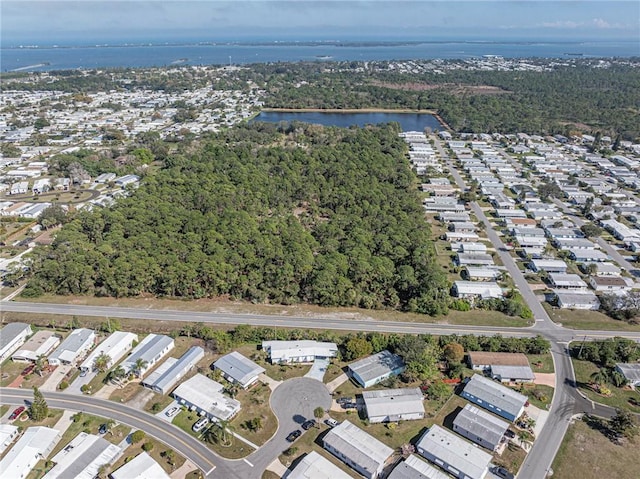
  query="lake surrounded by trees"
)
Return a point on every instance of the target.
[{"x": 407, "y": 121}]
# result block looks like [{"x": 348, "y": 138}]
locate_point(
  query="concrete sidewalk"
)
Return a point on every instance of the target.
[
  {"x": 277, "y": 468},
  {"x": 272, "y": 383},
  {"x": 335, "y": 384}
]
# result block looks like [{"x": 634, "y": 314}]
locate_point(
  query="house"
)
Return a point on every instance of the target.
[
  {"x": 143, "y": 466},
  {"x": 415, "y": 468},
  {"x": 392, "y": 405},
  {"x": 472, "y": 247},
  {"x": 35, "y": 444},
  {"x": 614, "y": 284},
  {"x": 150, "y": 351},
  {"x": 83, "y": 457},
  {"x": 480, "y": 273},
  {"x": 449, "y": 217},
  {"x": 453, "y": 454},
  {"x": 376, "y": 368},
  {"x": 73, "y": 348},
  {"x": 494, "y": 397},
  {"x": 41, "y": 186},
  {"x": 7, "y": 435},
  {"x": 302, "y": 351},
  {"x": 574, "y": 243},
  {"x": 20, "y": 188},
  {"x": 238, "y": 369},
  {"x": 474, "y": 259},
  {"x": 125, "y": 180},
  {"x": 504, "y": 367},
  {"x": 105, "y": 178},
  {"x": 477, "y": 289},
  {"x": 357, "y": 449},
  {"x": 315, "y": 466},
  {"x": 12, "y": 336},
  {"x": 480, "y": 427},
  {"x": 62, "y": 184},
  {"x": 453, "y": 236},
  {"x": 115, "y": 346},
  {"x": 548, "y": 265},
  {"x": 463, "y": 227},
  {"x": 566, "y": 281},
  {"x": 203, "y": 395},
  {"x": 631, "y": 372},
  {"x": 588, "y": 255},
  {"x": 576, "y": 300},
  {"x": 40, "y": 344},
  {"x": 162, "y": 380},
  {"x": 602, "y": 269}
]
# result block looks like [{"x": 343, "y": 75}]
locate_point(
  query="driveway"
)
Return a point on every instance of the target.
[
  {"x": 318, "y": 369},
  {"x": 56, "y": 377},
  {"x": 546, "y": 379},
  {"x": 75, "y": 386}
]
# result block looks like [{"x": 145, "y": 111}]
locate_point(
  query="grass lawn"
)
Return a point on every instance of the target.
[
  {"x": 594, "y": 320},
  {"x": 512, "y": 458},
  {"x": 539, "y": 395},
  {"x": 52, "y": 418},
  {"x": 90, "y": 424},
  {"x": 270, "y": 475},
  {"x": 4, "y": 409},
  {"x": 11, "y": 370},
  {"x": 255, "y": 403},
  {"x": 170, "y": 461},
  {"x": 541, "y": 363},
  {"x": 39, "y": 470},
  {"x": 238, "y": 449},
  {"x": 282, "y": 372},
  {"x": 160, "y": 399},
  {"x": 449, "y": 411},
  {"x": 586, "y": 453},
  {"x": 126, "y": 393},
  {"x": 619, "y": 396},
  {"x": 97, "y": 382},
  {"x": 484, "y": 318}
]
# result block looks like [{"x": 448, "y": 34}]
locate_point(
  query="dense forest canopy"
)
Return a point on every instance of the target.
[{"x": 289, "y": 213}]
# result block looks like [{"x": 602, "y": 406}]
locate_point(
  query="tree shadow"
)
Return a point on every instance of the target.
[{"x": 602, "y": 426}]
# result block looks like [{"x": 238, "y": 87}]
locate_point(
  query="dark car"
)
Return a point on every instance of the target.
[
  {"x": 16, "y": 413},
  {"x": 308, "y": 424},
  {"x": 502, "y": 472},
  {"x": 103, "y": 429},
  {"x": 294, "y": 435},
  {"x": 344, "y": 400},
  {"x": 509, "y": 433},
  {"x": 349, "y": 405}
]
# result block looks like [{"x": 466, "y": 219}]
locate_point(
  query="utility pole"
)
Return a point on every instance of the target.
[{"x": 582, "y": 346}]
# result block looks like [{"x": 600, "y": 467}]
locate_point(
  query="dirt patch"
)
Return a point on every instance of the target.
[{"x": 455, "y": 88}]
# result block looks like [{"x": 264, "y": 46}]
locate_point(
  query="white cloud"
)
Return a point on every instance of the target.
[{"x": 562, "y": 24}]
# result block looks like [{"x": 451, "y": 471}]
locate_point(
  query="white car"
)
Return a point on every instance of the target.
[
  {"x": 200, "y": 424},
  {"x": 172, "y": 411}
]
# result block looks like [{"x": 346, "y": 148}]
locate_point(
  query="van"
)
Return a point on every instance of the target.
[{"x": 200, "y": 424}]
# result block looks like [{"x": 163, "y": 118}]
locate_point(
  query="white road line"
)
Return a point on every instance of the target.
[
  {"x": 248, "y": 462},
  {"x": 210, "y": 471}
]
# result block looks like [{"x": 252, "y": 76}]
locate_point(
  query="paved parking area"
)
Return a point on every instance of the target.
[
  {"x": 318, "y": 369},
  {"x": 163, "y": 414}
]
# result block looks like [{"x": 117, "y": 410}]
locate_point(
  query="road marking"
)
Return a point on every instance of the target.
[
  {"x": 248, "y": 462},
  {"x": 210, "y": 471}
]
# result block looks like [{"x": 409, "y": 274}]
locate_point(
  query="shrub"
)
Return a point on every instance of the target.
[
  {"x": 63, "y": 385},
  {"x": 147, "y": 446},
  {"x": 137, "y": 436},
  {"x": 290, "y": 451},
  {"x": 157, "y": 407}
]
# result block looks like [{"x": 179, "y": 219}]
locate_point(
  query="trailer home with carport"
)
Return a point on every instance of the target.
[
  {"x": 376, "y": 368},
  {"x": 150, "y": 350},
  {"x": 115, "y": 346},
  {"x": 238, "y": 369},
  {"x": 164, "y": 383},
  {"x": 480, "y": 427},
  {"x": 494, "y": 397},
  {"x": 12, "y": 336},
  {"x": 74, "y": 347}
]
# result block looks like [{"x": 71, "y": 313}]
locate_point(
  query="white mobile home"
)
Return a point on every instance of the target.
[
  {"x": 150, "y": 350},
  {"x": 115, "y": 346},
  {"x": 392, "y": 405},
  {"x": 74, "y": 347},
  {"x": 205, "y": 396},
  {"x": 12, "y": 336},
  {"x": 303, "y": 351}
]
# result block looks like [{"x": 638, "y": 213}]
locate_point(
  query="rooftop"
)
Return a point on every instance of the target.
[
  {"x": 140, "y": 467},
  {"x": 238, "y": 367},
  {"x": 315, "y": 466},
  {"x": 415, "y": 468},
  {"x": 377, "y": 365},
  {"x": 481, "y": 424},
  {"x": 631, "y": 371},
  {"x": 83, "y": 457},
  {"x": 73, "y": 343},
  {"x": 386, "y": 402},
  {"x": 207, "y": 395},
  {"x": 9, "y": 333},
  {"x": 500, "y": 396},
  {"x": 148, "y": 349}
]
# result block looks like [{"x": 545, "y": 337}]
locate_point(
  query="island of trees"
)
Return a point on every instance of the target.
[{"x": 266, "y": 213}]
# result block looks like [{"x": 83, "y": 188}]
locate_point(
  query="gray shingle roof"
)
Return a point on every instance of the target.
[
  {"x": 376, "y": 365},
  {"x": 500, "y": 396},
  {"x": 481, "y": 424},
  {"x": 240, "y": 368}
]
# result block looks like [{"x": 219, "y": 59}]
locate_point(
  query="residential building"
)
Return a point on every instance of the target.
[
  {"x": 8, "y": 433},
  {"x": 143, "y": 466},
  {"x": 357, "y": 449},
  {"x": 105, "y": 178},
  {"x": 494, "y": 397},
  {"x": 203, "y": 395},
  {"x": 588, "y": 255},
  {"x": 150, "y": 350},
  {"x": 238, "y": 369},
  {"x": 480, "y": 427},
  {"x": 35, "y": 444},
  {"x": 548, "y": 265},
  {"x": 477, "y": 289},
  {"x": 83, "y": 457},
  {"x": 576, "y": 300},
  {"x": 566, "y": 281},
  {"x": 480, "y": 273},
  {"x": 453, "y": 454},
  {"x": 115, "y": 346},
  {"x": 73, "y": 348},
  {"x": 474, "y": 259},
  {"x": 611, "y": 284},
  {"x": 168, "y": 379},
  {"x": 631, "y": 371},
  {"x": 376, "y": 368},
  {"x": 315, "y": 466},
  {"x": 392, "y": 405},
  {"x": 40, "y": 344},
  {"x": 126, "y": 180},
  {"x": 302, "y": 351},
  {"x": 415, "y": 468},
  {"x": 12, "y": 336}
]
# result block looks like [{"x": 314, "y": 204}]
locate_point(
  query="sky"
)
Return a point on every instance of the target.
[{"x": 90, "y": 21}]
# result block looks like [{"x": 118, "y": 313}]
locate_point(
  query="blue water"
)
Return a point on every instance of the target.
[
  {"x": 408, "y": 121},
  {"x": 221, "y": 54}
]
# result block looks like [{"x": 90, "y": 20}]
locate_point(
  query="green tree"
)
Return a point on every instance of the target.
[
  {"x": 38, "y": 410},
  {"x": 356, "y": 348},
  {"x": 139, "y": 366},
  {"x": 40, "y": 364},
  {"x": 102, "y": 362},
  {"x": 624, "y": 423},
  {"x": 318, "y": 413},
  {"x": 453, "y": 352},
  {"x": 590, "y": 230},
  {"x": 137, "y": 436}
]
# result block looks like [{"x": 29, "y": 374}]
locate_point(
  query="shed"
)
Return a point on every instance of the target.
[
  {"x": 357, "y": 449},
  {"x": 480, "y": 427},
  {"x": 391, "y": 405},
  {"x": 74, "y": 347},
  {"x": 453, "y": 454},
  {"x": 12, "y": 336},
  {"x": 238, "y": 369},
  {"x": 494, "y": 397},
  {"x": 315, "y": 466},
  {"x": 378, "y": 367}
]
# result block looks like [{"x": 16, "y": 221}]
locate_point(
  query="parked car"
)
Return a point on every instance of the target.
[
  {"x": 83, "y": 372},
  {"x": 344, "y": 400},
  {"x": 349, "y": 405},
  {"x": 16, "y": 412},
  {"x": 308, "y": 424},
  {"x": 509, "y": 433},
  {"x": 172, "y": 411},
  {"x": 502, "y": 472},
  {"x": 294, "y": 435},
  {"x": 331, "y": 422},
  {"x": 200, "y": 424},
  {"x": 103, "y": 429}
]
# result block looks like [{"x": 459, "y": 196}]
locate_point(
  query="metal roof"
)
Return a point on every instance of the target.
[
  {"x": 10, "y": 332},
  {"x": 240, "y": 368},
  {"x": 115, "y": 346},
  {"x": 466, "y": 457},
  {"x": 207, "y": 395},
  {"x": 142, "y": 466},
  {"x": 496, "y": 394},
  {"x": 40, "y": 343},
  {"x": 387, "y": 402},
  {"x": 150, "y": 347},
  {"x": 358, "y": 446},
  {"x": 512, "y": 372},
  {"x": 36, "y": 441},
  {"x": 178, "y": 369},
  {"x": 376, "y": 366},
  {"x": 415, "y": 468},
  {"x": 72, "y": 345},
  {"x": 83, "y": 457},
  {"x": 631, "y": 371},
  {"x": 315, "y": 466},
  {"x": 285, "y": 350},
  {"x": 481, "y": 424}
]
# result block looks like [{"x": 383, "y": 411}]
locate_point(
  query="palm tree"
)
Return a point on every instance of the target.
[
  {"x": 102, "y": 361},
  {"x": 618, "y": 379},
  {"x": 39, "y": 365},
  {"x": 525, "y": 438},
  {"x": 221, "y": 432},
  {"x": 139, "y": 366},
  {"x": 599, "y": 377}
]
